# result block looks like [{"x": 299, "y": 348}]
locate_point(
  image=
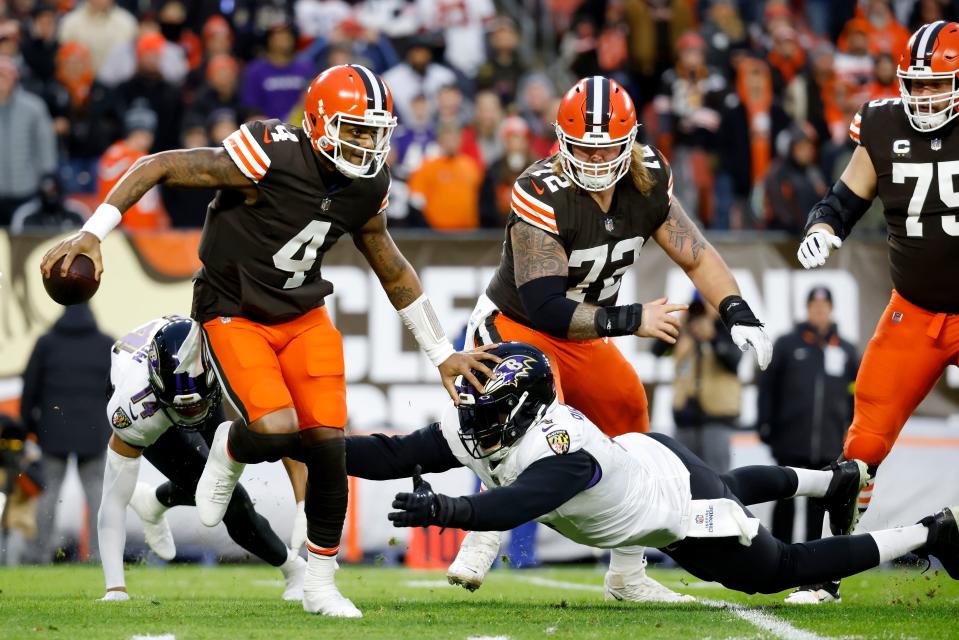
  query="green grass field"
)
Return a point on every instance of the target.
[{"x": 238, "y": 602}]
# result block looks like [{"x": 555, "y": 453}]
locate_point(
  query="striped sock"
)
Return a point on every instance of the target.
[
  {"x": 323, "y": 552},
  {"x": 865, "y": 497}
]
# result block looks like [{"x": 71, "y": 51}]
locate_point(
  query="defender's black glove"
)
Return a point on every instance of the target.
[{"x": 417, "y": 509}]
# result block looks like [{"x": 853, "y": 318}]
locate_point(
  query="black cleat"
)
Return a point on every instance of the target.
[
  {"x": 943, "y": 540},
  {"x": 840, "y": 501}
]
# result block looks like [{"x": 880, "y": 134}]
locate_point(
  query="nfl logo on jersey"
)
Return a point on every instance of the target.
[
  {"x": 609, "y": 224},
  {"x": 936, "y": 144}
]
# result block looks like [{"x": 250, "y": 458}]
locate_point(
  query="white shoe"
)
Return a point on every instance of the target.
[
  {"x": 115, "y": 596},
  {"x": 639, "y": 587},
  {"x": 219, "y": 477},
  {"x": 815, "y": 594},
  {"x": 475, "y": 557},
  {"x": 156, "y": 528},
  {"x": 320, "y": 594},
  {"x": 294, "y": 572}
]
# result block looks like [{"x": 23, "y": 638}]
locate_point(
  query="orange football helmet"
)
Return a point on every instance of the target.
[
  {"x": 596, "y": 113},
  {"x": 932, "y": 53},
  {"x": 349, "y": 94}
]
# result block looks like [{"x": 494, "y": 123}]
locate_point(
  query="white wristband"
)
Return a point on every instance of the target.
[
  {"x": 421, "y": 320},
  {"x": 103, "y": 221}
]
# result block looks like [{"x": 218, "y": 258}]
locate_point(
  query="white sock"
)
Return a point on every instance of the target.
[
  {"x": 290, "y": 563},
  {"x": 627, "y": 560},
  {"x": 893, "y": 543},
  {"x": 812, "y": 482}
]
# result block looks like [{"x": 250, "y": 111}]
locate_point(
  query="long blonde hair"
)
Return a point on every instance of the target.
[{"x": 642, "y": 179}]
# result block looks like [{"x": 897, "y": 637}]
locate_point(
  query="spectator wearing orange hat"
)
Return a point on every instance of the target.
[
  {"x": 854, "y": 60},
  {"x": 216, "y": 40},
  {"x": 150, "y": 49},
  {"x": 29, "y": 147},
  {"x": 495, "y": 194},
  {"x": 85, "y": 117},
  {"x": 883, "y": 32},
  {"x": 221, "y": 89},
  {"x": 360, "y": 44},
  {"x": 99, "y": 25},
  {"x": 149, "y": 85},
  {"x": 786, "y": 57},
  {"x": 751, "y": 120}
]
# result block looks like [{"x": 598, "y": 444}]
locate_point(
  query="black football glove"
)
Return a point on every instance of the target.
[{"x": 417, "y": 509}]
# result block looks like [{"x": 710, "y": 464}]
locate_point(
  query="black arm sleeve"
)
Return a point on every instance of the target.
[
  {"x": 841, "y": 209},
  {"x": 382, "y": 457},
  {"x": 547, "y": 306},
  {"x": 542, "y": 487}
]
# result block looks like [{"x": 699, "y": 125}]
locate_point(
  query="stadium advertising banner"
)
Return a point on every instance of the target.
[{"x": 391, "y": 383}]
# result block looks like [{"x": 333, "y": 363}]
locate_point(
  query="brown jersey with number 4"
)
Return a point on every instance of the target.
[
  {"x": 917, "y": 185},
  {"x": 600, "y": 247},
  {"x": 262, "y": 260}
]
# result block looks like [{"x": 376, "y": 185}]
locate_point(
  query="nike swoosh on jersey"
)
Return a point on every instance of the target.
[
  {"x": 539, "y": 190},
  {"x": 266, "y": 136}
]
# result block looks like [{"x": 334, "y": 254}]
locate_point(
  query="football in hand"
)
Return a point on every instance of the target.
[{"x": 77, "y": 286}]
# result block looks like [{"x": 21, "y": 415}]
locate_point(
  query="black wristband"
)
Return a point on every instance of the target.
[
  {"x": 452, "y": 512},
  {"x": 734, "y": 310},
  {"x": 618, "y": 321}
]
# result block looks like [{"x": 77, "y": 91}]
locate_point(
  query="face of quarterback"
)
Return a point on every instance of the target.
[{"x": 360, "y": 136}]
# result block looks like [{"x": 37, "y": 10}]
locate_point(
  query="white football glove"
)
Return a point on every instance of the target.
[
  {"x": 815, "y": 248},
  {"x": 746, "y": 336},
  {"x": 298, "y": 537},
  {"x": 115, "y": 596}
]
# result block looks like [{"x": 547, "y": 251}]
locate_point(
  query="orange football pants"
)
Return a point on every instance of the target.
[
  {"x": 296, "y": 364},
  {"x": 591, "y": 376},
  {"x": 905, "y": 357}
]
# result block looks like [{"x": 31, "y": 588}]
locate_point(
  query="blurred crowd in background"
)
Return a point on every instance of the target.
[{"x": 749, "y": 99}]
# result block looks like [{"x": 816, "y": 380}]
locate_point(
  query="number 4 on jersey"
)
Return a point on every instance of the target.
[{"x": 312, "y": 236}]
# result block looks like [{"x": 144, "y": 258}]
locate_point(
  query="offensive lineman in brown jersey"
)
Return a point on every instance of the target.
[
  {"x": 907, "y": 154},
  {"x": 575, "y": 228},
  {"x": 286, "y": 196}
]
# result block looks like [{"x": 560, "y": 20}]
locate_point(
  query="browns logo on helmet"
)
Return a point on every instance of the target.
[
  {"x": 927, "y": 75},
  {"x": 349, "y": 94},
  {"x": 596, "y": 114}
]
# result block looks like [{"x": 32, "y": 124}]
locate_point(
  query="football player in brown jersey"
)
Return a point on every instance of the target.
[
  {"x": 578, "y": 222},
  {"x": 286, "y": 195},
  {"x": 906, "y": 154}
]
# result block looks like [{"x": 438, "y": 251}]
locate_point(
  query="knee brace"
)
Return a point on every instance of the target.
[{"x": 249, "y": 447}]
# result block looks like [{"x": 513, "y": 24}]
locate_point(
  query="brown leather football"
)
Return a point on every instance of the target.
[{"x": 77, "y": 286}]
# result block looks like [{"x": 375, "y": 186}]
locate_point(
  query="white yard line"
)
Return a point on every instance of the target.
[
  {"x": 771, "y": 624},
  {"x": 428, "y": 584},
  {"x": 168, "y": 636},
  {"x": 776, "y": 626}
]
